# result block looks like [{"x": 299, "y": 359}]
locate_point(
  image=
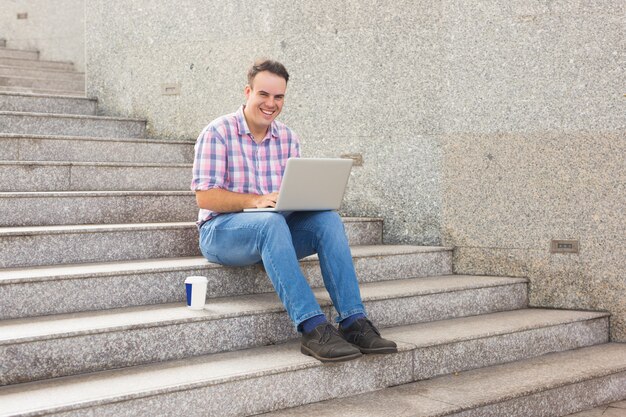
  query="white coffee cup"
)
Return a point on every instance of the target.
[{"x": 196, "y": 292}]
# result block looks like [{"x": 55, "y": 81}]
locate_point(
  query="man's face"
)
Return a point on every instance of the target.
[{"x": 264, "y": 100}]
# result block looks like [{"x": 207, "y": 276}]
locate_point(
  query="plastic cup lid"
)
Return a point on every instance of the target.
[{"x": 196, "y": 280}]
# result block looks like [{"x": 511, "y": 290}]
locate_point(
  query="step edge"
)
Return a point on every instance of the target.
[
  {"x": 301, "y": 364},
  {"x": 99, "y": 164},
  {"x": 474, "y": 285},
  {"x": 323, "y": 301},
  {"x": 95, "y": 228},
  {"x": 43, "y": 91},
  {"x": 72, "y": 116},
  {"x": 91, "y": 228},
  {"x": 21, "y": 50},
  {"x": 96, "y": 139},
  {"x": 47, "y": 80},
  {"x": 46, "y": 70},
  {"x": 195, "y": 263},
  {"x": 590, "y": 317},
  {"x": 40, "y": 60},
  {"x": 34, "y": 95},
  {"x": 583, "y": 317},
  {"x": 74, "y": 194}
]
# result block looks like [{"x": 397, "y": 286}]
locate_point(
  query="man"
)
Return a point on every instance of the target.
[{"x": 239, "y": 162}]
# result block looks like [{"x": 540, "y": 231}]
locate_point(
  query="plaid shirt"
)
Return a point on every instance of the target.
[{"x": 227, "y": 157}]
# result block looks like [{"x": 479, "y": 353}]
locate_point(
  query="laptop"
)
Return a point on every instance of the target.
[{"x": 312, "y": 184}]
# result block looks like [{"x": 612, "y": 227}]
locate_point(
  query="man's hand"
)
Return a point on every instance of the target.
[
  {"x": 265, "y": 200},
  {"x": 223, "y": 201}
]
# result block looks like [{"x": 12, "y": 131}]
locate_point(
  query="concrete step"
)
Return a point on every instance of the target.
[
  {"x": 154, "y": 333},
  {"x": 52, "y": 92},
  {"x": 18, "y": 54},
  {"x": 34, "y": 63},
  {"x": 41, "y": 73},
  {"x": 33, "y": 103},
  {"x": 102, "y": 286},
  {"x": 96, "y": 207},
  {"x": 82, "y": 149},
  {"x": 612, "y": 409},
  {"x": 50, "y": 245},
  {"x": 93, "y": 176},
  {"x": 48, "y": 347},
  {"x": 271, "y": 378},
  {"x": 551, "y": 385},
  {"x": 71, "y": 125},
  {"x": 41, "y": 83}
]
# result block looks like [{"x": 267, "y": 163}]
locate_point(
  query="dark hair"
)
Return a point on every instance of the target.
[{"x": 274, "y": 67}]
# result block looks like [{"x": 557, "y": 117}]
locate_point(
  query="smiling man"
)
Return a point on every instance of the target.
[{"x": 239, "y": 163}]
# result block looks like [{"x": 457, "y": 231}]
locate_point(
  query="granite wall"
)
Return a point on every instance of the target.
[
  {"x": 535, "y": 148},
  {"x": 493, "y": 126},
  {"x": 54, "y": 27},
  {"x": 355, "y": 87}
]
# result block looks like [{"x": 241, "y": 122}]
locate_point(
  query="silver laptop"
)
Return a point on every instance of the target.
[{"x": 311, "y": 184}]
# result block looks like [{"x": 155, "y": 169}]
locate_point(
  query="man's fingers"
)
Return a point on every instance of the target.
[
  {"x": 272, "y": 198},
  {"x": 267, "y": 200}
]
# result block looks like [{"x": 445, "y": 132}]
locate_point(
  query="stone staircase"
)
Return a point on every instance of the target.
[
  {"x": 97, "y": 237},
  {"x": 23, "y": 71}
]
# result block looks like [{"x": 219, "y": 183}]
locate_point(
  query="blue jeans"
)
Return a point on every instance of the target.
[{"x": 238, "y": 239}]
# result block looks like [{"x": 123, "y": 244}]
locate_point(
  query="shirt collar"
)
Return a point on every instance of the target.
[{"x": 242, "y": 126}]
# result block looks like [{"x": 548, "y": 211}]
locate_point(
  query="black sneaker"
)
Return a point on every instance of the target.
[
  {"x": 325, "y": 344},
  {"x": 364, "y": 335}
]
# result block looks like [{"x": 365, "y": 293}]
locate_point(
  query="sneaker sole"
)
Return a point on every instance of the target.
[{"x": 309, "y": 352}]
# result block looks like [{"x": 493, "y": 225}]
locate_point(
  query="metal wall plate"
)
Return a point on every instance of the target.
[
  {"x": 564, "y": 246},
  {"x": 356, "y": 157},
  {"x": 170, "y": 89}
]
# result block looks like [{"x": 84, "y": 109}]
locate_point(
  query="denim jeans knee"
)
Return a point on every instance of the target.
[{"x": 239, "y": 239}]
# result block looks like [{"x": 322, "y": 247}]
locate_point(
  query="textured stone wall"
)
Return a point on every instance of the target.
[
  {"x": 493, "y": 126},
  {"x": 535, "y": 148},
  {"x": 54, "y": 27},
  {"x": 355, "y": 87}
]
